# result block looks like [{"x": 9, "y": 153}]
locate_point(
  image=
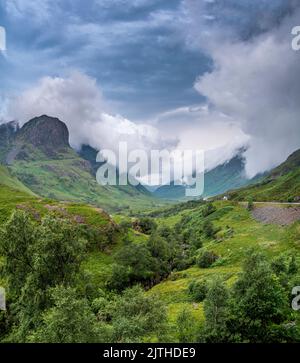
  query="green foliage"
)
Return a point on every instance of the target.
[
  {"x": 216, "y": 312},
  {"x": 186, "y": 326},
  {"x": 133, "y": 264},
  {"x": 136, "y": 315},
  {"x": 36, "y": 258},
  {"x": 259, "y": 303},
  {"x": 132, "y": 315},
  {"x": 256, "y": 309},
  {"x": 17, "y": 243},
  {"x": 70, "y": 320},
  {"x": 208, "y": 229},
  {"x": 146, "y": 225},
  {"x": 208, "y": 210},
  {"x": 250, "y": 205},
  {"x": 197, "y": 290},
  {"x": 206, "y": 259}
]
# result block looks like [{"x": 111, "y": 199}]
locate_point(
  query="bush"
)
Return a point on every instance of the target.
[
  {"x": 145, "y": 225},
  {"x": 197, "y": 290},
  {"x": 206, "y": 259},
  {"x": 125, "y": 226},
  {"x": 208, "y": 209},
  {"x": 250, "y": 204},
  {"x": 209, "y": 230}
]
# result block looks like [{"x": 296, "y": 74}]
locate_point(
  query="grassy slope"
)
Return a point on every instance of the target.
[
  {"x": 282, "y": 189},
  {"x": 69, "y": 179},
  {"x": 282, "y": 184},
  {"x": 248, "y": 233},
  {"x": 97, "y": 264},
  {"x": 271, "y": 239},
  {"x": 6, "y": 179}
]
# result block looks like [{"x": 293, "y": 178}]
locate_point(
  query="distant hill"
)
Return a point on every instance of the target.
[
  {"x": 224, "y": 177},
  {"x": 280, "y": 184},
  {"x": 90, "y": 154},
  {"x": 40, "y": 157}
]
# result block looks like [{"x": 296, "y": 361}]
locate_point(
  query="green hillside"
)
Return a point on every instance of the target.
[
  {"x": 118, "y": 250},
  {"x": 40, "y": 156},
  {"x": 145, "y": 273},
  {"x": 281, "y": 184},
  {"x": 6, "y": 179}
]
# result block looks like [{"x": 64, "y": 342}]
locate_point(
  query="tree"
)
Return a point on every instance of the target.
[
  {"x": 70, "y": 320},
  {"x": 133, "y": 264},
  {"x": 136, "y": 315},
  {"x": 146, "y": 225},
  {"x": 259, "y": 304},
  {"x": 197, "y": 290},
  {"x": 59, "y": 252},
  {"x": 216, "y": 312},
  {"x": 37, "y": 257},
  {"x": 17, "y": 241},
  {"x": 186, "y": 326}
]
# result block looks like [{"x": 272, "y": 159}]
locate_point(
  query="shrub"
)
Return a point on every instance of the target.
[
  {"x": 206, "y": 259},
  {"x": 209, "y": 230},
  {"x": 145, "y": 225},
  {"x": 208, "y": 209},
  {"x": 197, "y": 290},
  {"x": 250, "y": 204}
]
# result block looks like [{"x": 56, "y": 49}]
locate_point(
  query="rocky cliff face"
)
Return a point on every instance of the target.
[
  {"x": 42, "y": 137},
  {"x": 47, "y": 134}
]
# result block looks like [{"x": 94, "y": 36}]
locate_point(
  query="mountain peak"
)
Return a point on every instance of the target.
[
  {"x": 41, "y": 137},
  {"x": 45, "y": 132}
]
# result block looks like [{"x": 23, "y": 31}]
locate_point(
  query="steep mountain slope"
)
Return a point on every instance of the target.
[
  {"x": 7, "y": 133},
  {"x": 41, "y": 158},
  {"x": 90, "y": 154},
  {"x": 281, "y": 184},
  {"x": 8, "y": 180},
  {"x": 230, "y": 175}
]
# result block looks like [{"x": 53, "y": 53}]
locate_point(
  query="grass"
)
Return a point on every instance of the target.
[
  {"x": 247, "y": 233},
  {"x": 70, "y": 179},
  {"x": 6, "y": 179},
  {"x": 282, "y": 188},
  {"x": 98, "y": 266}
]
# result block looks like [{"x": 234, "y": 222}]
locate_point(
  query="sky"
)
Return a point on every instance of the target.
[{"x": 217, "y": 75}]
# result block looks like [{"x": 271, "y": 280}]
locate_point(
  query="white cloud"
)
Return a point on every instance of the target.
[
  {"x": 78, "y": 102},
  {"x": 201, "y": 127},
  {"x": 257, "y": 84}
]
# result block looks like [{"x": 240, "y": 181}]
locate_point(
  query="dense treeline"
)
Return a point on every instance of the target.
[{"x": 46, "y": 299}]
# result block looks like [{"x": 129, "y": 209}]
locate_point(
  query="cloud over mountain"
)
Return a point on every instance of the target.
[
  {"x": 78, "y": 101},
  {"x": 256, "y": 83}
]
